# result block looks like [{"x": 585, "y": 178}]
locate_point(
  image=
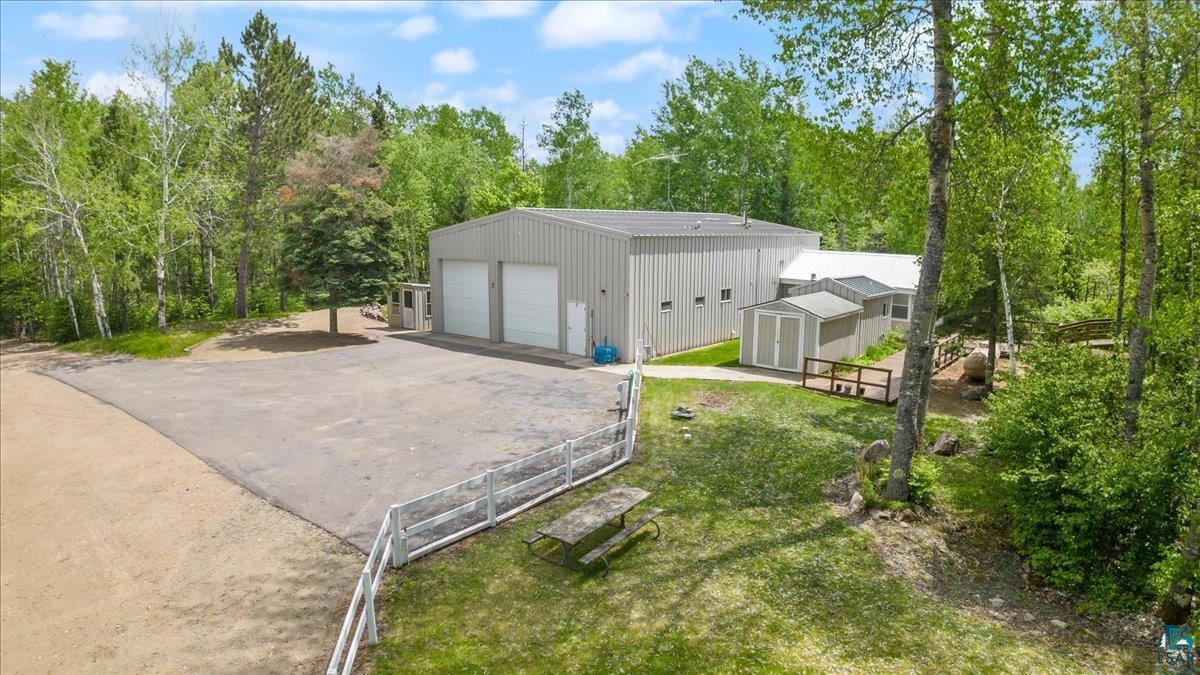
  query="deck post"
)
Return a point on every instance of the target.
[
  {"x": 399, "y": 547},
  {"x": 887, "y": 393},
  {"x": 369, "y": 608},
  {"x": 804, "y": 374},
  {"x": 491, "y": 497},
  {"x": 858, "y": 390},
  {"x": 570, "y": 464}
]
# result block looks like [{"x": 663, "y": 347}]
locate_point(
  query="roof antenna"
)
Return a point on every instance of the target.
[{"x": 745, "y": 222}]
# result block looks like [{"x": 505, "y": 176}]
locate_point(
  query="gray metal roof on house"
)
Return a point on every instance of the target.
[
  {"x": 866, "y": 285},
  {"x": 823, "y": 305},
  {"x": 667, "y": 223}
]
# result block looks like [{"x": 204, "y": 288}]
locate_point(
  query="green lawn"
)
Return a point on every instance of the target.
[
  {"x": 720, "y": 354},
  {"x": 149, "y": 344},
  {"x": 753, "y": 572},
  {"x": 891, "y": 343}
]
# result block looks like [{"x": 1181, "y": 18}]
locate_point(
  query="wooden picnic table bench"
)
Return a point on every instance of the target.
[{"x": 590, "y": 517}]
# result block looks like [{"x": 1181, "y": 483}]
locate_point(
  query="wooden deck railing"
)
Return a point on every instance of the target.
[
  {"x": 1083, "y": 331},
  {"x": 947, "y": 350},
  {"x": 859, "y": 385}
]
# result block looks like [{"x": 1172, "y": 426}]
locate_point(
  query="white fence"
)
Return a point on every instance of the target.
[{"x": 425, "y": 524}]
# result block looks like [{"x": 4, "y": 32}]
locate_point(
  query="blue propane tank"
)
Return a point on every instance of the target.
[{"x": 605, "y": 354}]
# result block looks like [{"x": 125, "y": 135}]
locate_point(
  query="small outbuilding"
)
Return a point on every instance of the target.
[
  {"x": 874, "y": 297},
  {"x": 410, "y": 306},
  {"x": 897, "y": 271},
  {"x": 780, "y": 334}
]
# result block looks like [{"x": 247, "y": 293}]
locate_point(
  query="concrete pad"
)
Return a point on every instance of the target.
[{"x": 336, "y": 436}]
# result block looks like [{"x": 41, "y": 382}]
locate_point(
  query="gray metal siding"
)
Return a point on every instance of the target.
[
  {"x": 873, "y": 322},
  {"x": 680, "y": 268},
  {"x": 593, "y": 267}
]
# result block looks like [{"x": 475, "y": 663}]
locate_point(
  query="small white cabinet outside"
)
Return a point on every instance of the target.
[
  {"x": 577, "y": 338},
  {"x": 777, "y": 341},
  {"x": 465, "y": 298},
  {"x": 529, "y": 297}
]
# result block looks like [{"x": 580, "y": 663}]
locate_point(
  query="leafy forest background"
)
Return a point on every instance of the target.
[{"x": 244, "y": 181}]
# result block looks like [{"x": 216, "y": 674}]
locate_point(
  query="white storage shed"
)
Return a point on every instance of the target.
[{"x": 779, "y": 334}]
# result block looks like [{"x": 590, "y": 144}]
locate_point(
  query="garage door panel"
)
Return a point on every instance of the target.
[
  {"x": 465, "y": 304},
  {"x": 530, "y": 302}
]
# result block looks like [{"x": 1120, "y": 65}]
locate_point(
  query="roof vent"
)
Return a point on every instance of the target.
[
  {"x": 812, "y": 277},
  {"x": 745, "y": 221},
  {"x": 696, "y": 226}
]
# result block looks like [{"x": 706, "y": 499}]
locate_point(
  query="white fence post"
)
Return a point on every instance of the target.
[
  {"x": 622, "y": 396},
  {"x": 369, "y": 608},
  {"x": 399, "y": 548},
  {"x": 491, "y": 497},
  {"x": 570, "y": 464}
]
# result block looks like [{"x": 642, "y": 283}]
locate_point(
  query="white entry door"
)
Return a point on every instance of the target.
[
  {"x": 778, "y": 341},
  {"x": 465, "y": 302},
  {"x": 529, "y": 298},
  {"x": 577, "y": 338}
]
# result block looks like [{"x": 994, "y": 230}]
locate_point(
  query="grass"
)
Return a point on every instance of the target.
[
  {"x": 720, "y": 354},
  {"x": 149, "y": 344},
  {"x": 890, "y": 344},
  {"x": 753, "y": 571}
]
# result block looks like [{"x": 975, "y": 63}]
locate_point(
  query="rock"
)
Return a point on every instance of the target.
[
  {"x": 973, "y": 393},
  {"x": 1058, "y": 623},
  {"x": 996, "y": 602},
  {"x": 876, "y": 451},
  {"x": 945, "y": 445},
  {"x": 1028, "y": 616},
  {"x": 856, "y": 502},
  {"x": 682, "y": 413},
  {"x": 687, "y": 438},
  {"x": 975, "y": 365},
  {"x": 881, "y": 514}
]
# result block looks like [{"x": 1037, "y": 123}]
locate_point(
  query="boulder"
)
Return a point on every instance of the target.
[
  {"x": 876, "y": 451},
  {"x": 945, "y": 445},
  {"x": 975, "y": 365},
  {"x": 973, "y": 393},
  {"x": 856, "y": 502},
  {"x": 996, "y": 602}
]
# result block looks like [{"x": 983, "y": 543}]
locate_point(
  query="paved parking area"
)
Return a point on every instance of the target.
[{"x": 337, "y": 436}]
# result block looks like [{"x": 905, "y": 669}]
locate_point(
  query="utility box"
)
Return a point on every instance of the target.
[{"x": 410, "y": 307}]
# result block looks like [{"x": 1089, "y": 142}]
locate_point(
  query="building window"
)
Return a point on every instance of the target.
[
  {"x": 428, "y": 305},
  {"x": 726, "y": 295},
  {"x": 900, "y": 307},
  {"x": 408, "y": 299},
  {"x": 664, "y": 306},
  {"x": 699, "y": 302}
]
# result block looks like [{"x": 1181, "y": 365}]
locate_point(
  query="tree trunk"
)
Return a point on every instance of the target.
[
  {"x": 97, "y": 290},
  {"x": 207, "y": 254},
  {"x": 249, "y": 199},
  {"x": 990, "y": 374},
  {"x": 1143, "y": 302},
  {"x": 1124, "y": 236},
  {"x": 913, "y": 390},
  {"x": 69, "y": 290},
  {"x": 333, "y": 308},
  {"x": 160, "y": 284},
  {"x": 1008, "y": 315}
]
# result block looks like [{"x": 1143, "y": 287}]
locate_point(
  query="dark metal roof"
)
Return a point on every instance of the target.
[
  {"x": 866, "y": 285},
  {"x": 823, "y": 304},
  {"x": 668, "y": 223}
]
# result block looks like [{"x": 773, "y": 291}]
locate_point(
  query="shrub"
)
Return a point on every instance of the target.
[
  {"x": 1093, "y": 514},
  {"x": 921, "y": 481}
]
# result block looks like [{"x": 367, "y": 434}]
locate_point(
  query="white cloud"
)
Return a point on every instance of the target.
[
  {"x": 503, "y": 94},
  {"x": 649, "y": 61},
  {"x": 453, "y": 61},
  {"x": 494, "y": 9},
  {"x": 103, "y": 84},
  {"x": 415, "y": 28},
  {"x": 350, "y": 5},
  {"x": 606, "y": 109},
  {"x": 612, "y": 142},
  {"x": 588, "y": 24},
  {"x": 87, "y": 26}
]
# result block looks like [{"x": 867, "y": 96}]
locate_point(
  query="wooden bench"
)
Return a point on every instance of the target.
[{"x": 600, "y": 551}]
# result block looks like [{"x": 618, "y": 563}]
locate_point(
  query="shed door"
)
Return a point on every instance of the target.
[
  {"x": 530, "y": 302},
  {"x": 465, "y": 298},
  {"x": 777, "y": 341},
  {"x": 764, "y": 339}
]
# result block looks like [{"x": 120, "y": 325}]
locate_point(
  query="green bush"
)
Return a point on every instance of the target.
[
  {"x": 1093, "y": 514},
  {"x": 921, "y": 481}
]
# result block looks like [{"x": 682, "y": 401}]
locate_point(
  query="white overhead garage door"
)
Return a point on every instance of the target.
[
  {"x": 530, "y": 301},
  {"x": 465, "y": 298}
]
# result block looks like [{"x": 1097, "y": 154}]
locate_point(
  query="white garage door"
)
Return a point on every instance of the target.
[
  {"x": 465, "y": 298},
  {"x": 530, "y": 301}
]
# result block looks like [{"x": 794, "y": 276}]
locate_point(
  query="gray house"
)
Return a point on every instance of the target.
[
  {"x": 874, "y": 298},
  {"x": 568, "y": 279}
]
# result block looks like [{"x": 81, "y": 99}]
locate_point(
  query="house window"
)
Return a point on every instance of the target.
[
  {"x": 408, "y": 299},
  {"x": 900, "y": 307},
  {"x": 664, "y": 306},
  {"x": 428, "y": 306},
  {"x": 726, "y": 295},
  {"x": 699, "y": 302}
]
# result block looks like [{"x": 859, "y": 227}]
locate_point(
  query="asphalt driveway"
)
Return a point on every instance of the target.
[{"x": 337, "y": 436}]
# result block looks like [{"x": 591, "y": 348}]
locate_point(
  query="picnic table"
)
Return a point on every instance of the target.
[{"x": 590, "y": 517}]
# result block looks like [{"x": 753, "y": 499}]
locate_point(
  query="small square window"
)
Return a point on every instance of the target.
[
  {"x": 726, "y": 295},
  {"x": 699, "y": 301},
  {"x": 664, "y": 306}
]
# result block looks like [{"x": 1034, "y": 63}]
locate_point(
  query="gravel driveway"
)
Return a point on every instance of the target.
[{"x": 337, "y": 436}]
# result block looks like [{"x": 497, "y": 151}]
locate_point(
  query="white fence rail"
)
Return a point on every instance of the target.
[{"x": 425, "y": 524}]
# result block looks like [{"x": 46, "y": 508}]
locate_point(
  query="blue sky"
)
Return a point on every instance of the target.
[{"x": 515, "y": 57}]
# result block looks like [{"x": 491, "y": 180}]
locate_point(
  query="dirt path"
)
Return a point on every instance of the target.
[
  {"x": 122, "y": 552},
  {"x": 297, "y": 334}
]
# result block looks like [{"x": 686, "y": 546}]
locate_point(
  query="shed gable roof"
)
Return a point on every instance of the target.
[{"x": 822, "y": 304}]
